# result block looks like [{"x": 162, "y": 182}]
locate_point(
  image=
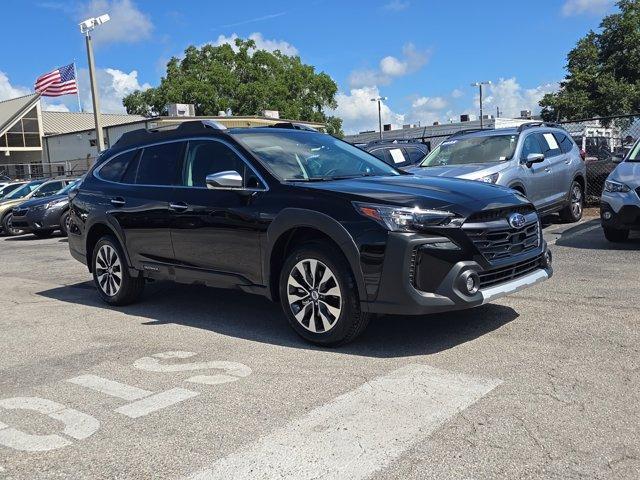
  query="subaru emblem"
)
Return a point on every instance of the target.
[{"x": 517, "y": 220}]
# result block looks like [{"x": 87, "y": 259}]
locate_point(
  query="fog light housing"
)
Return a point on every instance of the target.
[
  {"x": 469, "y": 282},
  {"x": 547, "y": 258},
  {"x": 607, "y": 215}
]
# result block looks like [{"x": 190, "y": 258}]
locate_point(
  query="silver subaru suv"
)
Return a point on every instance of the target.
[{"x": 540, "y": 160}]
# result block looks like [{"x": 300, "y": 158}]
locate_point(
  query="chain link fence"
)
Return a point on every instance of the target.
[{"x": 604, "y": 141}]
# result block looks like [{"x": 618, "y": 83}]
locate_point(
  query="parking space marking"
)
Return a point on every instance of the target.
[
  {"x": 156, "y": 402},
  {"x": 77, "y": 425},
  {"x": 359, "y": 432},
  {"x": 232, "y": 370},
  {"x": 110, "y": 387}
]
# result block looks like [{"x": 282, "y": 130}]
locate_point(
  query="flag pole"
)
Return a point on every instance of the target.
[{"x": 75, "y": 73}]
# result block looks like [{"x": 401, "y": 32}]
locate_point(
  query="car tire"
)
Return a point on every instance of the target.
[
  {"x": 324, "y": 309},
  {"x": 64, "y": 223},
  {"x": 43, "y": 233},
  {"x": 111, "y": 274},
  {"x": 573, "y": 212},
  {"x": 7, "y": 228},
  {"x": 614, "y": 235}
]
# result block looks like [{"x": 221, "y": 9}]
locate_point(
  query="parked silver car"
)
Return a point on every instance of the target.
[
  {"x": 541, "y": 161},
  {"x": 620, "y": 203}
]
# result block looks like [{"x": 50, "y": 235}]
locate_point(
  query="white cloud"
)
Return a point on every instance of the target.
[
  {"x": 261, "y": 43},
  {"x": 511, "y": 97},
  {"x": 113, "y": 86},
  {"x": 397, "y": 5},
  {"x": 457, "y": 93},
  {"x": 127, "y": 24},
  {"x": 359, "y": 113},
  {"x": 431, "y": 103},
  {"x": 8, "y": 91},
  {"x": 579, "y": 7},
  {"x": 54, "y": 107},
  {"x": 390, "y": 67}
]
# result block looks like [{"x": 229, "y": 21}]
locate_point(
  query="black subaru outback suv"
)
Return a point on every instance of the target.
[{"x": 328, "y": 230}]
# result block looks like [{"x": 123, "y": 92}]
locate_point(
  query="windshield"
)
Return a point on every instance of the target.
[
  {"x": 634, "y": 156},
  {"x": 68, "y": 188},
  {"x": 303, "y": 156},
  {"x": 24, "y": 190},
  {"x": 463, "y": 151}
]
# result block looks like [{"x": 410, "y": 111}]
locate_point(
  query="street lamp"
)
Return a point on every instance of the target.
[
  {"x": 86, "y": 28},
  {"x": 479, "y": 85},
  {"x": 379, "y": 100}
]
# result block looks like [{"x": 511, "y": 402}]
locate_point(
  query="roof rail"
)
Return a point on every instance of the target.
[
  {"x": 468, "y": 130},
  {"x": 293, "y": 126},
  {"x": 191, "y": 126},
  {"x": 394, "y": 140},
  {"x": 524, "y": 126}
]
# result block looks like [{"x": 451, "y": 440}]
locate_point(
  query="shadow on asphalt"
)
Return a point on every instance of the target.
[
  {"x": 250, "y": 317},
  {"x": 594, "y": 239}
]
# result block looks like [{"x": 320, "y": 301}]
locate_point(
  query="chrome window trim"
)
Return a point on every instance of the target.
[{"x": 96, "y": 172}]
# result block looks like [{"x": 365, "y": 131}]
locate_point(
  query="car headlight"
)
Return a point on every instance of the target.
[
  {"x": 406, "y": 219},
  {"x": 612, "y": 187},
  {"x": 493, "y": 178}
]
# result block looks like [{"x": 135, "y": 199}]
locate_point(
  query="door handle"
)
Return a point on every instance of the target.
[
  {"x": 178, "y": 207},
  {"x": 117, "y": 202},
  {"x": 547, "y": 169}
]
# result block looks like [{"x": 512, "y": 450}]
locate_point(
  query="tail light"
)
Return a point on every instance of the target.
[{"x": 583, "y": 155}]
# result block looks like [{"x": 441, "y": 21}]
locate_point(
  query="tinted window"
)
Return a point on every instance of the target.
[
  {"x": 115, "y": 168},
  {"x": 159, "y": 164},
  {"x": 549, "y": 144},
  {"x": 566, "y": 144},
  {"x": 132, "y": 169},
  {"x": 381, "y": 154},
  {"x": 415, "y": 154},
  {"x": 529, "y": 146},
  {"x": 51, "y": 187},
  {"x": 206, "y": 157}
]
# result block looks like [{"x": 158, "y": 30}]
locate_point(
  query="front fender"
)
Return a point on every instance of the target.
[{"x": 291, "y": 218}]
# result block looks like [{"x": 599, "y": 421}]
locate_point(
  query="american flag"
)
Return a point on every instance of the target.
[{"x": 61, "y": 81}]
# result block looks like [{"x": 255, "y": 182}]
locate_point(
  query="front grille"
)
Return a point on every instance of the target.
[
  {"x": 489, "y": 278},
  {"x": 498, "y": 213},
  {"x": 498, "y": 243}
]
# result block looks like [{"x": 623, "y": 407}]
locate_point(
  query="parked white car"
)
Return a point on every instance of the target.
[{"x": 620, "y": 204}]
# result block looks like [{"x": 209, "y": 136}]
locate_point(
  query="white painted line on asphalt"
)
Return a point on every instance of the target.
[
  {"x": 358, "y": 433},
  {"x": 77, "y": 425},
  {"x": 110, "y": 387},
  {"x": 156, "y": 402}
]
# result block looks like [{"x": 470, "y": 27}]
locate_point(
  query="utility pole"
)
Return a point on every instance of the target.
[
  {"x": 87, "y": 27},
  {"x": 379, "y": 100},
  {"x": 479, "y": 85}
]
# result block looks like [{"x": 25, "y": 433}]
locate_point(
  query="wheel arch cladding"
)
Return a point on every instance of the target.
[
  {"x": 94, "y": 234},
  {"x": 294, "y": 226}
]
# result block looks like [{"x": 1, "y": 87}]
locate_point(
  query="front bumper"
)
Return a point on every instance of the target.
[
  {"x": 620, "y": 211},
  {"x": 398, "y": 293},
  {"x": 36, "y": 219}
]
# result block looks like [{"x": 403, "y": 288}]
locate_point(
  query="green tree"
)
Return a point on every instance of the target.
[
  {"x": 603, "y": 70},
  {"x": 243, "y": 79}
]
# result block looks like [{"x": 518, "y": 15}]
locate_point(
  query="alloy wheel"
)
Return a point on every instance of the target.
[
  {"x": 314, "y": 295},
  {"x": 108, "y": 270},
  {"x": 12, "y": 230},
  {"x": 576, "y": 201}
]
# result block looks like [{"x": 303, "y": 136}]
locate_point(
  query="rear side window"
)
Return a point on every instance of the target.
[
  {"x": 565, "y": 142},
  {"x": 382, "y": 154},
  {"x": 114, "y": 169},
  {"x": 415, "y": 154},
  {"x": 549, "y": 144},
  {"x": 159, "y": 164}
]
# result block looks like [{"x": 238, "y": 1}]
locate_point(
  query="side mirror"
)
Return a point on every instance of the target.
[
  {"x": 227, "y": 180},
  {"x": 617, "y": 158},
  {"x": 534, "y": 158}
]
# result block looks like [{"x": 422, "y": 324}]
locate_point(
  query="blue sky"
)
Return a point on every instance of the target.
[{"x": 422, "y": 55}]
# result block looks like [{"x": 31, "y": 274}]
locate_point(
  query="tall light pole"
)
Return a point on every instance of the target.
[
  {"x": 87, "y": 27},
  {"x": 379, "y": 100},
  {"x": 479, "y": 85}
]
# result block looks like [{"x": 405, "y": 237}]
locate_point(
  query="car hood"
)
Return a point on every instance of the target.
[
  {"x": 9, "y": 204},
  {"x": 459, "y": 196},
  {"x": 470, "y": 172},
  {"x": 627, "y": 173},
  {"x": 34, "y": 202}
]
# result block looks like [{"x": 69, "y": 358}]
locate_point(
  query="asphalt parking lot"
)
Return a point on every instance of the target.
[{"x": 201, "y": 383}]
